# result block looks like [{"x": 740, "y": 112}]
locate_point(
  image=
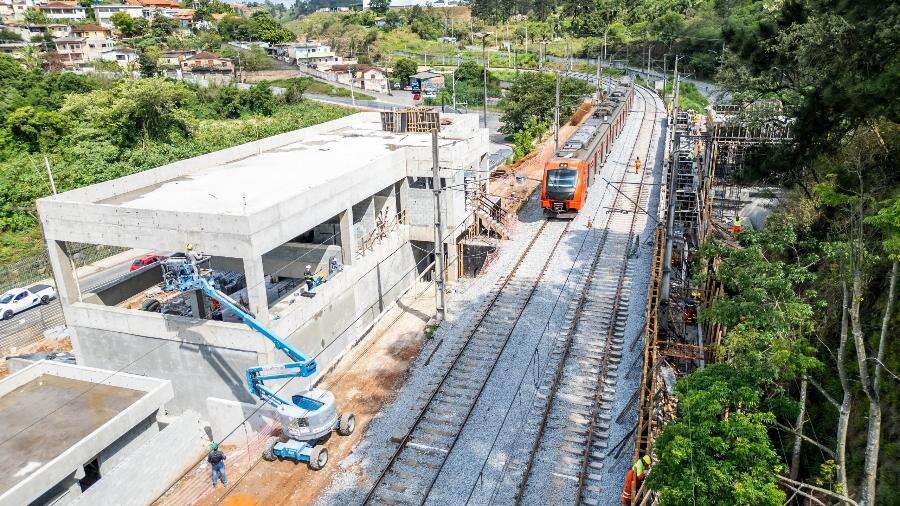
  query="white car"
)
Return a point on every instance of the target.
[{"x": 19, "y": 299}]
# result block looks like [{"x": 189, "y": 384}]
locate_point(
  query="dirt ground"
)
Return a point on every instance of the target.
[
  {"x": 362, "y": 382},
  {"x": 42, "y": 345}
]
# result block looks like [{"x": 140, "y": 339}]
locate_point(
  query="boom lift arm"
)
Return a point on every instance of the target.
[
  {"x": 184, "y": 277},
  {"x": 306, "y": 418}
]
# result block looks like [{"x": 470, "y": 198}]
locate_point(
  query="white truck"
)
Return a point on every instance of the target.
[{"x": 19, "y": 299}]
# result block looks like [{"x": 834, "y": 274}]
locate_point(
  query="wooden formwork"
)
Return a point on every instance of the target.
[{"x": 415, "y": 119}]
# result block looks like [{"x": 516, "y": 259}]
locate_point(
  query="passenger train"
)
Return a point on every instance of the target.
[{"x": 573, "y": 167}]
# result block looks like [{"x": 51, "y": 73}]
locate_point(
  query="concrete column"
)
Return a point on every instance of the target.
[
  {"x": 256, "y": 289},
  {"x": 63, "y": 273},
  {"x": 401, "y": 192},
  {"x": 348, "y": 240}
]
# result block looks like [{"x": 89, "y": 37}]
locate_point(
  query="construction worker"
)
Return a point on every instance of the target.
[
  {"x": 193, "y": 257},
  {"x": 736, "y": 226},
  {"x": 634, "y": 478},
  {"x": 216, "y": 459},
  {"x": 309, "y": 278},
  {"x": 637, "y": 165}
]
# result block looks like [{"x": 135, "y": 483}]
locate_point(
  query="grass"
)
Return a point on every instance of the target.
[{"x": 690, "y": 98}]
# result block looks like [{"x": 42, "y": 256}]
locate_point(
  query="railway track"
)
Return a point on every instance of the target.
[
  {"x": 570, "y": 440},
  {"x": 417, "y": 462}
]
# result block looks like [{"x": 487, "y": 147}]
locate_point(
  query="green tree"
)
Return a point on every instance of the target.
[
  {"x": 124, "y": 24},
  {"x": 265, "y": 27},
  {"x": 36, "y": 128},
  {"x": 134, "y": 110},
  {"x": 148, "y": 61},
  {"x": 34, "y": 16},
  {"x": 229, "y": 102},
  {"x": 259, "y": 99},
  {"x": 533, "y": 94},
  {"x": 235, "y": 28},
  {"x": 718, "y": 452},
  {"x": 403, "y": 68},
  {"x": 380, "y": 6},
  {"x": 162, "y": 26},
  {"x": 9, "y": 35}
]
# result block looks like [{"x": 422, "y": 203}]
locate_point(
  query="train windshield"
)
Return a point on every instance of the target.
[{"x": 561, "y": 178}]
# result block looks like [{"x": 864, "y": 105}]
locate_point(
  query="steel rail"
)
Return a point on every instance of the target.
[
  {"x": 545, "y": 416},
  {"x": 483, "y": 314}
]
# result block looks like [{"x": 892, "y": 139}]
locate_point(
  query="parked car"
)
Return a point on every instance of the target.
[
  {"x": 145, "y": 260},
  {"x": 19, "y": 299}
]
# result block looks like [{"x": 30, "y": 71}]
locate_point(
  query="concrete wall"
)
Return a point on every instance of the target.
[
  {"x": 249, "y": 419},
  {"x": 130, "y": 284},
  {"x": 196, "y": 371},
  {"x": 58, "y": 476},
  {"x": 145, "y": 474}
]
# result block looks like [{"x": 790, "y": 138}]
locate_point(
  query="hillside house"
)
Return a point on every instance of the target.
[
  {"x": 365, "y": 77},
  {"x": 206, "y": 62},
  {"x": 63, "y": 11}
]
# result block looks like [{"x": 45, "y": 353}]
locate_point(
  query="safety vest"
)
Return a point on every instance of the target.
[{"x": 736, "y": 227}]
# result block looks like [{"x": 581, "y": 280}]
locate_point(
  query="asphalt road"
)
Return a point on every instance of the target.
[{"x": 24, "y": 327}]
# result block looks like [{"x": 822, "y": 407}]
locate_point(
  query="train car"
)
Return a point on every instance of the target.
[{"x": 571, "y": 170}]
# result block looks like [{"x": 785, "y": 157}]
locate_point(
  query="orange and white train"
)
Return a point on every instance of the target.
[{"x": 571, "y": 170}]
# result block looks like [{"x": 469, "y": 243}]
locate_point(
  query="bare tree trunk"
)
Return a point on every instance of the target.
[
  {"x": 840, "y": 451},
  {"x": 873, "y": 391},
  {"x": 798, "y": 439}
]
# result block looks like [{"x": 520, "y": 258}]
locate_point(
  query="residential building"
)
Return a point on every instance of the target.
[
  {"x": 365, "y": 77},
  {"x": 94, "y": 48},
  {"x": 305, "y": 54},
  {"x": 126, "y": 58},
  {"x": 103, "y": 13},
  {"x": 14, "y": 10},
  {"x": 92, "y": 31},
  {"x": 70, "y": 51},
  {"x": 31, "y": 32},
  {"x": 158, "y": 4},
  {"x": 204, "y": 61},
  {"x": 174, "y": 58},
  {"x": 63, "y": 11},
  {"x": 18, "y": 50}
]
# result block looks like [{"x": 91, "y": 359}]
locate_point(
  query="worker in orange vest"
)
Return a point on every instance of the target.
[
  {"x": 637, "y": 165},
  {"x": 736, "y": 226},
  {"x": 634, "y": 478}
]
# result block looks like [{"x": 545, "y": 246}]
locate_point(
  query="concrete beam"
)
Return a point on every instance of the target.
[{"x": 348, "y": 240}]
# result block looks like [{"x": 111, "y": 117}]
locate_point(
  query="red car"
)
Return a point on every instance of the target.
[{"x": 145, "y": 260}]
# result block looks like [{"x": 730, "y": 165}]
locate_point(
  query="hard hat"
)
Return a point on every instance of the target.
[
  {"x": 214, "y": 446},
  {"x": 308, "y": 267},
  {"x": 647, "y": 459},
  {"x": 189, "y": 247}
]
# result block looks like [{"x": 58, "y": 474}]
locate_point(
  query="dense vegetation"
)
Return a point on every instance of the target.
[
  {"x": 807, "y": 388},
  {"x": 92, "y": 130}
]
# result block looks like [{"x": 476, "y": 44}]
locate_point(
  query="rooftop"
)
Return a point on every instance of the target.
[
  {"x": 53, "y": 414},
  {"x": 246, "y": 192},
  {"x": 90, "y": 28}
]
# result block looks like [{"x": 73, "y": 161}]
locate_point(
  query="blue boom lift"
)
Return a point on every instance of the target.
[{"x": 306, "y": 419}]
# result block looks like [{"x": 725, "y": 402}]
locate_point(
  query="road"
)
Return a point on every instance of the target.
[{"x": 23, "y": 328}]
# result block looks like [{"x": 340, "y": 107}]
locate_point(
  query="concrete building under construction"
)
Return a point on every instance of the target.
[{"x": 346, "y": 190}]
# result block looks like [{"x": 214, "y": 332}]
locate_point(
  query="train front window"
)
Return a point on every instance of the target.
[{"x": 561, "y": 178}]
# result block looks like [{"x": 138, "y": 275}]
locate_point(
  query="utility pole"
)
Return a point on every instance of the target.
[
  {"x": 675, "y": 84},
  {"x": 455, "y": 110},
  {"x": 648, "y": 62},
  {"x": 599, "y": 78},
  {"x": 352, "y": 96},
  {"x": 485, "y": 60},
  {"x": 438, "y": 230},
  {"x": 556, "y": 117}
]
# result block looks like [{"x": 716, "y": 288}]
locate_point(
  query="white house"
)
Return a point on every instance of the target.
[
  {"x": 61, "y": 11},
  {"x": 126, "y": 58},
  {"x": 365, "y": 77},
  {"x": 31, "y": 32},
  {"x": 305, "y": 54},
  {"x": 103, "y": 13}
]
